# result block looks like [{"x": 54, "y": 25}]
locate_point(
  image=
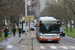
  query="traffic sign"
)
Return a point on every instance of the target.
[
  {"x": 26, "y": 18},
  {"x": 29, "y": 18}
]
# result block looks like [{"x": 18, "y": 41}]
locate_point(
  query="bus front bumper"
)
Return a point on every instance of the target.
[{"x": 49, "y": 39}]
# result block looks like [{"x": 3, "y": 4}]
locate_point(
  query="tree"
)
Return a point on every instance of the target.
[
  {"x": 10, "y": 9},
  {"x": 61, "y": 11},
  {"x": 1, "y": 15}
]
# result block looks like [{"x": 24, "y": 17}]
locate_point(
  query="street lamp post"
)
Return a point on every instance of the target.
[
  {"x": 26, "y": 15},
  {"x": 26, "y": 25},
  {"x": 25, "y": 7}
]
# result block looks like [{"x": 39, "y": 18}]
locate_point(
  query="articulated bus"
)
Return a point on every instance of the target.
[{"x": 48, "y": 29}]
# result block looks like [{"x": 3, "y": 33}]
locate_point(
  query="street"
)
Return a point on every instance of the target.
[
  {"x": 18, "y": 43},
  {"x": 65, "y": 43},
  {"x": 37, "y": 25}
]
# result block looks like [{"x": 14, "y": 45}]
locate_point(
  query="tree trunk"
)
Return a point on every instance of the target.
[
  {"x": 0, "y": 32},
  {"x": 66, "y": 24},
  {"x": 74, "y": 24},
  {"x": 70, "y": 26},
  {"x": 66, "y": 27}
]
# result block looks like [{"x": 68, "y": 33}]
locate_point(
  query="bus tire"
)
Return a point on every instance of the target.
[{"x": 56, "y": 41}]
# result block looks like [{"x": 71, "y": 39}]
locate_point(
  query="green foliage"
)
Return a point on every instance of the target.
[
  {"x": 1, "y": 48},
  {"x": 16, "y": 29},
  {"x": 10, "y": 9},
  {"x": 64, "y": 10},
  {"x": 3, "y": 38},
  {"x": 72, "y": 34},
  {"x": 11, "y": 33}
]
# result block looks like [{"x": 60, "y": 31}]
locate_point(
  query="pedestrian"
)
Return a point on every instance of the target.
[
  {"x": 14, "y": 30},
  {"x": 6, "y": 33},
  {"x": 19, "y": 30},
  {"x": 3, "y": 29}
]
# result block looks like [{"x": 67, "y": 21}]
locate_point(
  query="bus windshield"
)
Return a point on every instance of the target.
[{"x": 49, "y": 28}]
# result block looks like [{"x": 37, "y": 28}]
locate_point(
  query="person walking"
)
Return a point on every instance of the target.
[
  {"x": 3, "y": 29},
  {"x": 6, "y": 33},
  {"x": 14, "y": 30},
  {"x": 19, "y": 32}
]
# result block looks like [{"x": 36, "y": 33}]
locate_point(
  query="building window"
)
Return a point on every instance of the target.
[{"x": 47, "y": 2}]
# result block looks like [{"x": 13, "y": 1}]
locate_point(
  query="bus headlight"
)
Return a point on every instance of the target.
[
  {"x": 58, "y": 36},
  {"x": 41, "y": 36}
]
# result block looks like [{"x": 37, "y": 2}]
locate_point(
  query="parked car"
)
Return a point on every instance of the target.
[
  {"x": 32, "y": 26},
  {"x": 62, "y": 32}
]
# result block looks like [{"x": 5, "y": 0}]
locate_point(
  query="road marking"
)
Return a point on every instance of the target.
[
  {"x": 70, "y": 37},
  {"x": 9, "y": 46},
  {"x": 42, "y": 47},
  {"x": 63, "y": 47},
  {"x": 53, "y": 47},
  {"x": 72, "y": 47},
  {"x": 37, "y": 48}
]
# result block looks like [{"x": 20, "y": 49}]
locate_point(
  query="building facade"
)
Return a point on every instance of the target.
[
  {"x": 44, "y": 4},
  {"x": 37, "y": 6}
]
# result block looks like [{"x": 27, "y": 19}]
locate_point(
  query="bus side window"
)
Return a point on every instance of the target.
[{"x": 37, "y": 28}]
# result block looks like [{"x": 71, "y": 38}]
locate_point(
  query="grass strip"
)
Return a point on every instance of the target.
[
  {"x": 3, "y": 38},
  {"x": 1, "y": 48},
  {"x": 71, "y": 34}
]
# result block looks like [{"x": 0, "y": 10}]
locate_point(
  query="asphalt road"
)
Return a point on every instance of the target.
[{"x": 65, "y": 43}]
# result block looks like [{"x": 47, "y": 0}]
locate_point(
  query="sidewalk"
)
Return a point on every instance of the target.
[
  {"x": 18, "y": 43},
  {"x": 7, "y": 44},
  {"x": 1, "y": 47}
]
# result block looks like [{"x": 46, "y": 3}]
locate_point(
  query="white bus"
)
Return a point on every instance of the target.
[{"x": 48, "y": 29}]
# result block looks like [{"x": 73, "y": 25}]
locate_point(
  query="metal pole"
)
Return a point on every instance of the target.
[
  {"x": 28, "y": 34},
  {"x": 28, "y": 25},
  {"x": 26, "y": 14},
  {"x": 25, "y": 7}
]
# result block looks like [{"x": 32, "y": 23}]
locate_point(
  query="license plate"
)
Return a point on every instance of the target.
[{"x": 49, "y": 40}]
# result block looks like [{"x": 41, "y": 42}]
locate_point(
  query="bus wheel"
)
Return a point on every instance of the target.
[{"x": 56, "y": 41}]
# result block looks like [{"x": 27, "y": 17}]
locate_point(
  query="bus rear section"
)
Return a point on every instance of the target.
[{"x": 48, "y": 31}]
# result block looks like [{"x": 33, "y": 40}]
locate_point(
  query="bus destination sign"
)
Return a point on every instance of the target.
[{"x": 49, "y": 22}]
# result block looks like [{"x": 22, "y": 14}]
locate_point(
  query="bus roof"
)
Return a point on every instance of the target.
[{"x": 48, "y": 19}]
